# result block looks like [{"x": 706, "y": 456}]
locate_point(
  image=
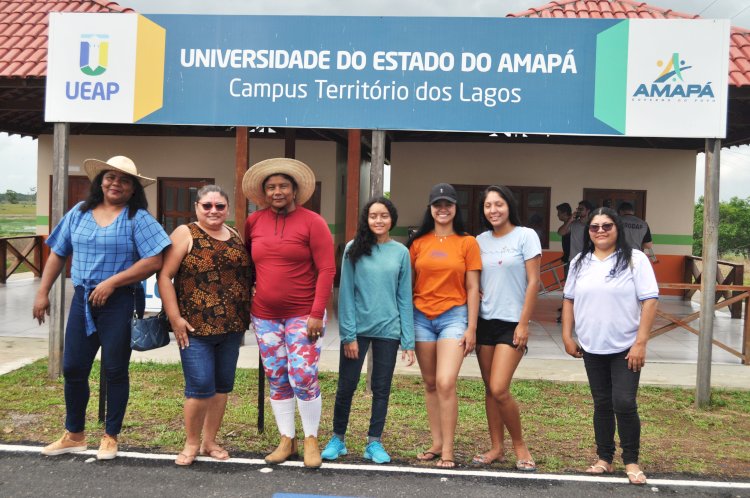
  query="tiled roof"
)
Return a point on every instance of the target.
[
  {"x": 23, "y": 32},
  {"x": 739, "y": 48}
]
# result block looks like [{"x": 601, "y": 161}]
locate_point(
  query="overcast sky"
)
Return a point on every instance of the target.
[{"x": 18, "y": 156}]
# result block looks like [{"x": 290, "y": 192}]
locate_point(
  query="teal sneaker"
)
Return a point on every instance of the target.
[
  {"x": 334, "y": 449},
  {"x": 376, "y": 453}
]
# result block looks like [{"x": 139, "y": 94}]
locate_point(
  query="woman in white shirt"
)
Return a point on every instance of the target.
[{"x": 610, "y": 295}]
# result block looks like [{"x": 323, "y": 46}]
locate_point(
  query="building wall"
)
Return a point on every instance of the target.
[
  {"x": 187, "y": 157},
  {"x": 667, "y": 176}
]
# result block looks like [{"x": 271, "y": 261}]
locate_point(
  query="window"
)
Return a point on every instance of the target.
[
  {"x": 533, "y": 207},
  {"x": 612, "y": 198}
]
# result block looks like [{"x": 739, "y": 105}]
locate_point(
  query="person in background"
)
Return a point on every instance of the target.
[
  {"x": 375, "y": 308},
  {"x": 292, "y": 251},
  {"x": 577, "y": 228},
  {"x": 637, "y": 233},
  {"x": 610, "y": 299},
  {"x": 446, "y": 265},
  {"x": 564, "y": 214},
  {"x": 208, "y": 306},
  {"x": 115, "y": 244},
  {"x": 511, "y": 257}
]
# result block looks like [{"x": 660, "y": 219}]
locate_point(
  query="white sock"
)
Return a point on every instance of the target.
[
  {"x": 310, "y": 413},
  {"x": 283, "y": 411}
]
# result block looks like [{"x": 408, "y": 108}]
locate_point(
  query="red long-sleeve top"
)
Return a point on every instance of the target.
[{"x": 294, "y": 263}]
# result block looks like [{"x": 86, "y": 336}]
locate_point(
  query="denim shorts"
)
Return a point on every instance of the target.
[
  {"x": 209, "y": 363},
  {"x": 450, "y": 324}
]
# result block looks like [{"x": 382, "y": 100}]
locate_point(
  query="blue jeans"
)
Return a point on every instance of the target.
[
  {"x": 450, "y": 324},
  {"x": 209, "y": 364},
  {"x": 384, "y": 353},
  {"x": 113, "y": 336},
  {"x": 614, "y": 388}
]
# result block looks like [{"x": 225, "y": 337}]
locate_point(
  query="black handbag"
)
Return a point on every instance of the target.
[{"x": 149, "y": 333}]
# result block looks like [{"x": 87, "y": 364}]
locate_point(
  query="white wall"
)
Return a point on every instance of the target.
[
  {"x": 185, "y": 157},
  {"x": 668, "y": 176}
]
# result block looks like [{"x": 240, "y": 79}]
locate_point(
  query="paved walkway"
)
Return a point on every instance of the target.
[{"x": 671, "y": 357}]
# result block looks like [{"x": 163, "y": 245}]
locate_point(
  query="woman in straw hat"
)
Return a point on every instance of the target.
[
  {"x": 292, "y": 252},
  {"x": 115, "y": 245}
]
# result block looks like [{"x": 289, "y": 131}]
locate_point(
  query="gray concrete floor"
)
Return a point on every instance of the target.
[{"x": 671, "y": 357}]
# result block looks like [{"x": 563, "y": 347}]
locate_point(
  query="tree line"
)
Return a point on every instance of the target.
[{"x": 734, "y": 227}]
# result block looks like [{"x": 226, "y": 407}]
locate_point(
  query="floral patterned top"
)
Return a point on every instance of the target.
[{"x": 213, "y": 284}]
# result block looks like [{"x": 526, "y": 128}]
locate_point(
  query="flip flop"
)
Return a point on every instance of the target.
[
  {"x": 445, "y": 464},
  {"x": 635, "y": 478},
  {"x": 184, "y": 460},
  {"x": 598, "y": 469},
  {"x": 427, "y": 456},
  {"x": 526, "y": 465},
  {"x": 217, "y": 453},
  {"x": 481, "y": 459}
]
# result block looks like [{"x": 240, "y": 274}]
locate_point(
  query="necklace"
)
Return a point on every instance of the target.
[{"x": 441, "y": 238}]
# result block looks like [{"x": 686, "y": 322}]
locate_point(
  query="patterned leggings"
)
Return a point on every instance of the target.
[{"x": 290, "y": 360}]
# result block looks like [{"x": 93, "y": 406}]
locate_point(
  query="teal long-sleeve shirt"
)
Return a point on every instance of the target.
[{"x": 375, "y": 296}]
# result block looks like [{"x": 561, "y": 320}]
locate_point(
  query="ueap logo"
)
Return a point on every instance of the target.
[
  {"x": 104, "y": 68},
  {"x": 94, "y": 54},
  {"x": 670, "y": 83},
  {"x": 93, "y": 61}
]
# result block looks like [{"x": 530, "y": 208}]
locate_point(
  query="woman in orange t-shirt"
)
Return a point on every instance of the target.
[{"x": 446, "y": 263}]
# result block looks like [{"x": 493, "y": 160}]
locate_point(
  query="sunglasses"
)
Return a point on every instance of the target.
[
  {"x": 208, "y": 205},
  {"x": 604, "y": 226}
]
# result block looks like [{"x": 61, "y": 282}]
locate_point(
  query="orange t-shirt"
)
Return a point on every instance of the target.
[{"x": 439, "y": 266}]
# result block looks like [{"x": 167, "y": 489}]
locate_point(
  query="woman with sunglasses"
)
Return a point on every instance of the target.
[
  {"x": 509, "y": 283},
  {"x": 446, "y": 265},
  {"x": 610, "y": 296},
  {"x": 208, "y": 306}
]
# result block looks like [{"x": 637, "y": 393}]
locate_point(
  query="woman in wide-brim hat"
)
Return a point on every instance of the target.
[
  {"x": 115, "y": 244},
  {"x": 292, "y": 250}
]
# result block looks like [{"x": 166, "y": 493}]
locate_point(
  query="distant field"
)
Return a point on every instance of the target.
[{"x": 17, "y": 219}]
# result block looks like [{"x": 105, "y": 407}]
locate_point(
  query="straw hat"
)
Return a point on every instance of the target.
[
  {"x": 252, "y": 182},
  {"x": 118, "y": 163}
]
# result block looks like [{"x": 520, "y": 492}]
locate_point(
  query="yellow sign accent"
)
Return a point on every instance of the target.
[{"x": 149, "y": 68}]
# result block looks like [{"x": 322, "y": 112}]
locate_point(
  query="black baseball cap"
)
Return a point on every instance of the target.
[{"x": 443, "y": 191}]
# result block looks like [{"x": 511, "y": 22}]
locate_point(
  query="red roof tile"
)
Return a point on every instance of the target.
[
  {"x": 23, "y": 32},
  {"x": 739, "y": 51}
]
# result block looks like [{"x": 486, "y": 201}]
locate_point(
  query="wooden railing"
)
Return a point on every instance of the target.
[
  {"x": 734, "y": 276},
  {"x": 21, "y": 250},
  {"x": 739, "y": 294}
]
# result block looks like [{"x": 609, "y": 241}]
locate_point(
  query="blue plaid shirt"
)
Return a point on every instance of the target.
[{"x": 100, "y": 252}]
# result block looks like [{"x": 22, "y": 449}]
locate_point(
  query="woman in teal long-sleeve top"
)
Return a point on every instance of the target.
[{"x": 375, "y": 307}]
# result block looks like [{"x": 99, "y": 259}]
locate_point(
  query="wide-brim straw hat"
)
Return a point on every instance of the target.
[
  {"x": 118, "y": 163},
  {"x": 252, "y": 182}
]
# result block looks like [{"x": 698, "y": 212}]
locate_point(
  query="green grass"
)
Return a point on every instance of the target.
[
  {"x": 556, "y": 418},
  {"x": 17, "y": 219}
]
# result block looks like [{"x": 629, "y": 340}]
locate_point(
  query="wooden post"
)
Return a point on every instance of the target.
[
  {"x": 60, "y": 149},
  {"x": 290, "y": 143},
  {"x": 353, "y": 160},
  {"x": 241, "y": 163},
  {"x": 708, "y": 277}
]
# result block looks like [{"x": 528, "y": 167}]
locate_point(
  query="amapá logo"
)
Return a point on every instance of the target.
[
  {"x": 670, "y": 82},
  {"x": 94, "y": 54}
]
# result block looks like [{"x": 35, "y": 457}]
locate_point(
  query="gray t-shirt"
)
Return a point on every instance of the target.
[
  {"x": 503, "y": 279},
  {"x": 636, "y": 231},
  {"x": 578, "y": 230}
]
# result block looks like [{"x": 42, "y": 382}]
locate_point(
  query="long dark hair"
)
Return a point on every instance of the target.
[
  {"x": 365, "y": 240},
  {"x": 510, "y": 200},
  {"x": 96, "y": 195},
  {"x": 428, "y": 225},
  {"x": 622, "y": 248}
]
